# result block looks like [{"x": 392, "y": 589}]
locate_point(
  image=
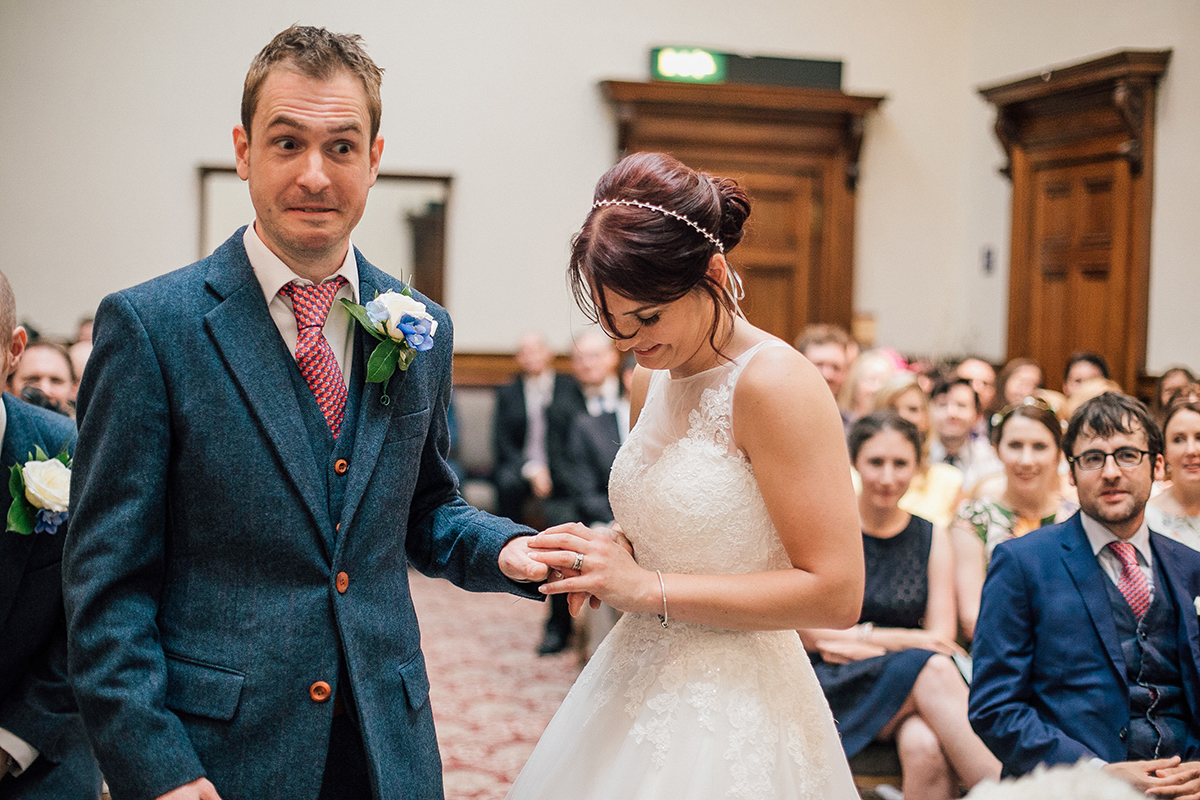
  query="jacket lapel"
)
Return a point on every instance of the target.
[
  {"x": 1089, "y": 580},
  {"x": 1189, "y": 626},
  {"x": 373, "y": 415},
  {"x": 246, "y": 336},
  {"x": 15, "y": 549}
]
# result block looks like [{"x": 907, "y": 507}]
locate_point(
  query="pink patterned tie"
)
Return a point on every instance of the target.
[
  {"x": 1132, "y": 583},
  {"x": 314, "y": 356}
]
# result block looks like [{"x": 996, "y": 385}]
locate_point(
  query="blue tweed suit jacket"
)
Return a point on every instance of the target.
[
  {"x": 1049, "y": 683},
  {"x": 200, "y": 569},
  {"x": 36, "y": 703}
]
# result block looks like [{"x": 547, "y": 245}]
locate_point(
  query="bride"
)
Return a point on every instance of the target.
[{"x": 733, "y": 493}]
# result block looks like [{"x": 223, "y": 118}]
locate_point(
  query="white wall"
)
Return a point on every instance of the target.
[{"x": 106, "y": 110}]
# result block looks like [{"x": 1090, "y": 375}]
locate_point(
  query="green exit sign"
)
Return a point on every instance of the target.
[{"x": 687, "y": 64}]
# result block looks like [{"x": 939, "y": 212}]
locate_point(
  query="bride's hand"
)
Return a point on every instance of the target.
[{"x": 606, "y": 571}]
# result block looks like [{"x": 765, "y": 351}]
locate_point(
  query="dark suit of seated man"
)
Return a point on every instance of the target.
[
  {"x": 1086, "y": 646},
  {"x": 43, "y": 750}
]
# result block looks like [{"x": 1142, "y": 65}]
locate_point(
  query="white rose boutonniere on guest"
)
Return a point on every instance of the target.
[
  {"x": 403, "y": 327},
  {"x": 41, "y": 493}
]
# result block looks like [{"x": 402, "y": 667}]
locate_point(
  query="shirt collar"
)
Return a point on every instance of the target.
[
  {"x": 1099, "y": 536},
  {"x": 3, "y": 420},
  {"x": 273, "y": 274}
]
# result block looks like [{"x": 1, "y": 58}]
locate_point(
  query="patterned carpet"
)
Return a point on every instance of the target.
[{"x": 492, "y": 695}]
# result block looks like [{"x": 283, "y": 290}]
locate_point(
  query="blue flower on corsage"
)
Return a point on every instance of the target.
[
  {"x": 41, "y": 493},
  {"x": 402, "y": 326}
]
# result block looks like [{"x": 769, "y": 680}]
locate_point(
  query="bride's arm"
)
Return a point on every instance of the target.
[{"x": 786, "y": 422}]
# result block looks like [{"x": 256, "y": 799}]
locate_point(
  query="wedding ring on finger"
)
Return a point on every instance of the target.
[{"x": 578, "y": 565}]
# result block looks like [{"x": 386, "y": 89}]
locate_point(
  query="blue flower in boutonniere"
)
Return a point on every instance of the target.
[
  {"x": 403, "y": 327},
  {"x": 41, "y": 492}
]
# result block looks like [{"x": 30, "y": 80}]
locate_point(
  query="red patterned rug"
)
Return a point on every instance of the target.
[{"x": 492, "y": 695}]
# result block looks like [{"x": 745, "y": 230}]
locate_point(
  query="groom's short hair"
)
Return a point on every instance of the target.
[{"x": 318, "y": 54}]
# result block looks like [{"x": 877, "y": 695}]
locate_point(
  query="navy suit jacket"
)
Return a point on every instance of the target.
[
  {"x": 202, "y": 565},
  {"x": 1049, "y": 680},
  {"x": 36, "y": 703}
]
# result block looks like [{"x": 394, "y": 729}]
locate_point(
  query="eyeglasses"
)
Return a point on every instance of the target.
[{"x": 1095, "y": 459}]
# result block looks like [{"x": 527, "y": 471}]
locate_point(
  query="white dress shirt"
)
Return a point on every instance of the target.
[
  {"x": 273, "y": 275},
  {"x": 22, "y": 753},
  {"x": 1099, "y": 537}
]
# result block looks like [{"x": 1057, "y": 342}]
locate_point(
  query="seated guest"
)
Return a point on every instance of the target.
[
  {"x": 594, "y": 367},
  {"x": 1083, "y": 365},
  {"x": 1176, "y": 510},
  {"x": 1028, "y": 440},
  {"x": 891, "y": 676},
  {"x": 520, "y": 468},
  {"x": 954, "y": 411},
  {"x": 1171, "y": 381},
  {"x": 1086, "y": 646},
  {"x": 828, "y": 348},
  {"x": 1020, "y": 378},
  {"x": 869, "y": 372},
  {"x": 936, "y": 488},
  {"x": 982, "y": 376},
  {"x": 43, "y": 750},
  {"x": 45, "y": 366},
  {"x": 592, "y": 445}
]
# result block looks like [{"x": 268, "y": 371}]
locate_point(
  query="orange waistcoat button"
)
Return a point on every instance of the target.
[
  {"x": 343, "y": 582},
  {"x": 320, "y": 691}
]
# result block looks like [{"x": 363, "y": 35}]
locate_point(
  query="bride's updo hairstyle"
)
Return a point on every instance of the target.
[{"x": 655, "y": 224}]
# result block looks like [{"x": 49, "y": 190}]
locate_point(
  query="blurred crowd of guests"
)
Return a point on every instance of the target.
[{"x": 48, "y": 370}]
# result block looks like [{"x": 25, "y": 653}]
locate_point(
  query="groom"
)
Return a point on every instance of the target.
[{"x": 245, "y": 505}]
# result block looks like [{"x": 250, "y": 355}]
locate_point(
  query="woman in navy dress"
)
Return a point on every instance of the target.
[{"x": 891, "y": 677}]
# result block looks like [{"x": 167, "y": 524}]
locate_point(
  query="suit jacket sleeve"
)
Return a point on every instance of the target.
[
  {"x": 446, "y": 537},
  {"x": 508, "y": 436},
  {"x": 113, "y": 564},
  {"x": 586, "y": 476},
  {"x": 1003, "y": 706}
]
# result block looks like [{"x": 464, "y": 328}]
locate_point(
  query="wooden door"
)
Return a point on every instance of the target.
[
  {"x": 1080, "y": 274},
  {"x": 1080, "y": 143},
  {"x": 796, "y": 153}
]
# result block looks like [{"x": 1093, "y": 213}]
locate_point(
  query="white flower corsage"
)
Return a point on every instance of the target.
[
  {"x": 403, "y": 328},
  {"x": 41, "y": 493}
]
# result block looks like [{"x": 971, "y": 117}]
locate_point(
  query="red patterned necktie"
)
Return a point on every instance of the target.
[
  {"x": 1132, "y": 583},
  {"x": 314, "y": 356}
]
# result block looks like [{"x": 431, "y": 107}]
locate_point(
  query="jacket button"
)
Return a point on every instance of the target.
[
  {"x": 342, "y": 583},
  {"x": 341, "y": 466},
  {"x": 319, "y": 691},
  {"x": 337, "y": 527},
  {"x": 1122, "y": 734}
]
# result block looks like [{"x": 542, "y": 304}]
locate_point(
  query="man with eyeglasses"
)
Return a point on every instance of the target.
[{"x": 1087, "y": 640}]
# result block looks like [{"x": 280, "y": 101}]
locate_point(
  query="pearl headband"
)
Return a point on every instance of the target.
[{"x": 638, "y": 204}]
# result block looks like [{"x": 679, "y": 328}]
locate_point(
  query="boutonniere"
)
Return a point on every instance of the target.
[
  {"x": 41, "y": 491},
  {"x": 403, "y": 328}
]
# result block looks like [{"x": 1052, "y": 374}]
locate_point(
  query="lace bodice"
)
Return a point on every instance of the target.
[
  {"x": 692, "y": 710},
  {"x": 684, "y": 494}
]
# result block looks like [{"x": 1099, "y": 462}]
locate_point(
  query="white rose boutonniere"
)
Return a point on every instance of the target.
[
  {"x": 403, "y": 327},
  {"x": 41, "y": 493}
]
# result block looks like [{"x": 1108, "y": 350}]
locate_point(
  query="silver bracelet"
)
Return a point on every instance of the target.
[{"x": 663, "y": 617}]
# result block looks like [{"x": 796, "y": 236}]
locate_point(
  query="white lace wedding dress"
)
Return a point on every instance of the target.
[{"x": 691, "y": 711}]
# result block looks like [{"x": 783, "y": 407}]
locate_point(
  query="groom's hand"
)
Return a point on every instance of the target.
[
  {"x": 199, "y": 789},
  {"x": 516, "y": 564}
]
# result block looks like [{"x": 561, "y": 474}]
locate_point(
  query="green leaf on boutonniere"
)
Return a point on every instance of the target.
[
  {"x": 360, "y": 316},
  {"x": 21, "y": 516},
  {"x": 383, "y": 360},
  {"x": 38, "y": 454}
]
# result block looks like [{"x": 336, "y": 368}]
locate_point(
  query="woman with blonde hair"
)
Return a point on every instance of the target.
[{"x": 868, "y": 374}]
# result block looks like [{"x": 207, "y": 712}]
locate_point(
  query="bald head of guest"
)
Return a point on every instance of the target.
[
  {"x": 594, "y": 360},
  {"x": 12, "y": 335}
]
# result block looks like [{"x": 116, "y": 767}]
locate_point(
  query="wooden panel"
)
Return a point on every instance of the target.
[
  {"x": 796, "y": 152},
  {"x": 1081, "y": 141}
]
